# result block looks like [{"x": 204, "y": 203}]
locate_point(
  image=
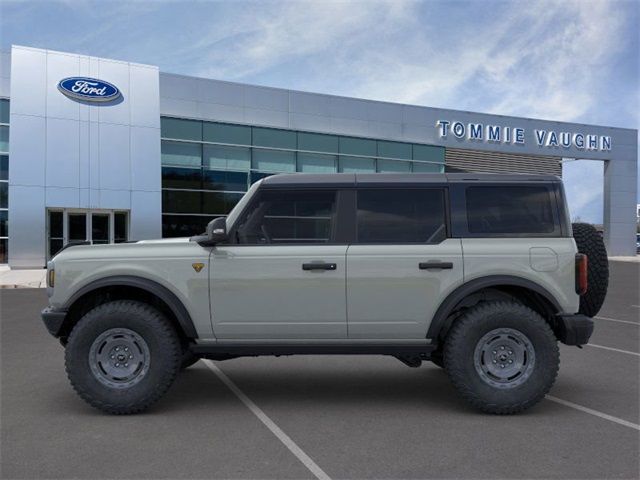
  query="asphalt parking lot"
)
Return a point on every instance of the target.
[{"x": 335, "y": 417}]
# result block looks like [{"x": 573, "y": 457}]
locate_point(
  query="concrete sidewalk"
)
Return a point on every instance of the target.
[
  {"x": 23, "y": 278},
  {"x": 37, "y": 278}
]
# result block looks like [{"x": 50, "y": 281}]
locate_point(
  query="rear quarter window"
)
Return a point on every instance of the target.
[{"x": 501, "y": 210}]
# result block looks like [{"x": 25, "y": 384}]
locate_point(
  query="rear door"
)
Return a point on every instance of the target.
[{"x": 402, "y": 264}]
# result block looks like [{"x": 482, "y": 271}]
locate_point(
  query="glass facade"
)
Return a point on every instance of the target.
[
  {"x": 207, "y": 166},
  {"x": 4, "y": 180}
]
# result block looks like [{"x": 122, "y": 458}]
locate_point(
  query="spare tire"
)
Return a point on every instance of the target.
[{"x": 591, "y": 244}]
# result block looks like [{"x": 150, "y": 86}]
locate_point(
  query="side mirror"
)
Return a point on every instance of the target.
[
  {"x": 216, "y": 233},
  {"x": 217, "y": 230}
]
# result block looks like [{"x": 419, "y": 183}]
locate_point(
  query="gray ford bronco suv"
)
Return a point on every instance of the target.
[{"x": 480, "y": 274}]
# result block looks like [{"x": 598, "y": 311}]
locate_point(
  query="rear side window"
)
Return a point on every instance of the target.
[
  {"x": 401, "y": 216},
  {"x": 289, "y": 217},
  {"x": 510, "y": 209}
]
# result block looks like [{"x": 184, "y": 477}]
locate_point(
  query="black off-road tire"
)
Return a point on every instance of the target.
[
  {"x": 589, "y": 242},
  {"x": 162, "y": 346},
  {"x": 468, "y": 332}
]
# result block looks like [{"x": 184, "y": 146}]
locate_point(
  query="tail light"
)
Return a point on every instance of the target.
[{"x": 582, "y": 283}]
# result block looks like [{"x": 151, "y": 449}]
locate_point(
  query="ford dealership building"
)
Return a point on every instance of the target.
[{"x": 107, "y": 151}]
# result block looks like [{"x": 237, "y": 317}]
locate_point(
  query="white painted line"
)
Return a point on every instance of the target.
[
  {"x": 637, "y": 306},
  {"x": 612, "y": 349},
  {"x": 270, "y": 424},
  {"x": 618, "y": 321},
  {"x": 593, "y": 412}
]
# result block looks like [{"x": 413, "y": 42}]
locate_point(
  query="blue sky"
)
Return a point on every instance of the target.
[{"x": 563, "y": 60}]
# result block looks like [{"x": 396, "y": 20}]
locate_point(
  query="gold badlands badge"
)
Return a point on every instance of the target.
[{"x": 197, "y": 266}]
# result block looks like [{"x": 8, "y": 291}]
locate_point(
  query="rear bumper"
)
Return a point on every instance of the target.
[
  {"x": 574, "y": 329},
  {"x": 53, "y": 320}
]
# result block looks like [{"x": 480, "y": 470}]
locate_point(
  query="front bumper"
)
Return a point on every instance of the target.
[
  {"x": 574, "y": 329},
  {"x": 53, "y": 319}
]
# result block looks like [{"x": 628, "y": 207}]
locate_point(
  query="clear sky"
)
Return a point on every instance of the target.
[{"x": 571, "y": 60}]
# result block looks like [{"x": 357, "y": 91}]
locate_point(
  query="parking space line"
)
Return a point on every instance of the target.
[
  {"x": 270, "y": 424},
  {"x": 613, "y": 349},
  {"x": 590, "y": 411},
  {"x": 618, "y": 321}
]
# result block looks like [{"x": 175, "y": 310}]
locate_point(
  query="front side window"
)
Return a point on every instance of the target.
[
  {"x": 509, "y": 210},
  {"x": 289, "y": 218},
  {"x": 401, "y": 216}
]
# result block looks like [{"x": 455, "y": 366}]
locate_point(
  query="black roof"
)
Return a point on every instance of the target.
[{"x": 353, "y": 179}]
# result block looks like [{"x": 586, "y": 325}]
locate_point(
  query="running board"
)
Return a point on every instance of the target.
[{"x": 269, "y": 349}]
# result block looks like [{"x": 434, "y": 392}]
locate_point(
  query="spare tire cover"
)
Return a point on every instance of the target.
[{"x": 591, "y": 244}]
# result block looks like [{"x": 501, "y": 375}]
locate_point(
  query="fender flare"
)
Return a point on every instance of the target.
[
  {"x": 466, "y": 289},
  {"x": 152, "y": 287}
]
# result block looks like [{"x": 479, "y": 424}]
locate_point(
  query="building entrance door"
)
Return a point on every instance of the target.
[{"x": 66, "y": 226}]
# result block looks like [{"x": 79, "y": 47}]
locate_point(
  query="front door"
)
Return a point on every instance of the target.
[
  {"x": 283, "y": 276},
  {"x": 402, "y": 263}
]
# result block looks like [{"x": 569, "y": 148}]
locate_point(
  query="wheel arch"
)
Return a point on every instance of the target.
[
  {"x": 527, "y": 291},
  {"x": 134, "y": 288}
]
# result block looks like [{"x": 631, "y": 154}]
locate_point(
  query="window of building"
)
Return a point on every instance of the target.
[
  {"x": 401, "y": 216},
  {"x": 509, "y": 210},
  {"x": 4, "y": 167},
  {"x": 394, "y": 150},
  {"x": 317, "y": 163},
  {"x": 419, "y": 167},
  {"x": 4, "y": 111},
  {"x": 120, "y": 227},
  {"x": 228, "y": 158},
  {"x": 186, "y": 178},
  {"x": 4, "y": 180},
  {"x": 4, "y": 194},
  {"x": 274, "y": 160},
  {"x": 278, "y": 217},
  {"x": 180, "y": 129},
  {"x": 357, "y": 164},
  {"x": 274, "y": 138},
  {"x": 358, "y": 146},
  {"x": 184, "y": 225},
  {"x": 393, "y": 166},
  {"x": 226, "y": 133},
  {"x": 428, "y": 153},
  {"x": 316, "y": 142},
  {"x": 4, "y": 138},
  {"x": 222, "y": 180},
  {"x": 181, "y": 153}
]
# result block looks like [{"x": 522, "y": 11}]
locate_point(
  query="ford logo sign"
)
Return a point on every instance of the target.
[{"x": 89, "y": 89}]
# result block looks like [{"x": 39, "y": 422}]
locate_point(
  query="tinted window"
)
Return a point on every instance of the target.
[
  {"x": 173, "y": 177},
  {"x": 184, "y": 225},
  {"x": 281, "y": 217},
  {"x": 401, "y": 216},
  {"x": 512, "y": 209}
]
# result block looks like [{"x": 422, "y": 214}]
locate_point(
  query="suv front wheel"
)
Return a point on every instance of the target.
[
  {"x": 122, "y": 356},
  {"x": 502, "y": 356}
]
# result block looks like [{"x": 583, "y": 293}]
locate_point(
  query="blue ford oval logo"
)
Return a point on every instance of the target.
[{"x": 89, "y": 89}]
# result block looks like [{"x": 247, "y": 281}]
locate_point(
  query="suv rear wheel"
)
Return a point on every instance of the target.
[
  {"x": 502, "y": 357},
  {"x": 122, "y": 356}
]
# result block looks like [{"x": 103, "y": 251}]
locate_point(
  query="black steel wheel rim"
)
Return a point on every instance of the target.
[
  {"x": 504, "y": 358},
  {"x": 119, "y": 358}
]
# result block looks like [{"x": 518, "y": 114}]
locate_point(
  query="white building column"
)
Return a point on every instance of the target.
[{"x": 620, "y": 199}]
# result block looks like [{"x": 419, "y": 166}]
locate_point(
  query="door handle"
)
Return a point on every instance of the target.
[
  {"x": 319, "y": 266},
  {"x": 435, "y": 265}
]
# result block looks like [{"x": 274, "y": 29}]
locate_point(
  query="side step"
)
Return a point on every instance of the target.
[{"x": 222, "y": 349}]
